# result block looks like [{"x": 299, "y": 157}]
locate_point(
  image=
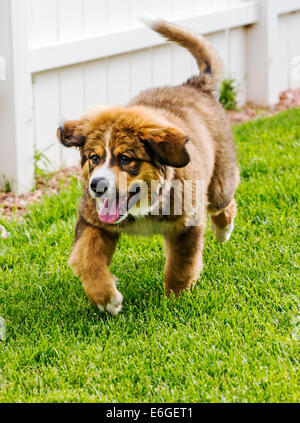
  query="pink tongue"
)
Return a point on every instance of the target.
[{"x": 109, "y": 211}]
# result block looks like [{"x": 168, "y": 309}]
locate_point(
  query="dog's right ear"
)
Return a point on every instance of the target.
[{"x": 71, "y": 134}]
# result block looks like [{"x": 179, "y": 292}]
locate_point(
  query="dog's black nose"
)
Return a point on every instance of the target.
[{"x": 99, "y": 186}]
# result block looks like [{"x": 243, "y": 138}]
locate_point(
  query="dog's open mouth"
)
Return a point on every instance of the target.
[{"x": 112, "y": 210}]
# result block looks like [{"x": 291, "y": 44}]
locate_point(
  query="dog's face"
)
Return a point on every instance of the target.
[{"x": 124, "y": 154}]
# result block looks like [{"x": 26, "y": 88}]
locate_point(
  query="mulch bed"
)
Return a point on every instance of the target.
[
  {"x": 288, "y": 100},
  {"x": 12, "y": 205},
  {"x": 16, "y": 205}
]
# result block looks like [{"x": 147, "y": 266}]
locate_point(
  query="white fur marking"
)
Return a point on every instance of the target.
[
  {"x": 108, "y": 155},
  {"x": 222, "y": 235},
  {"x": 115, "y": 304},
  {"x": 104, "y": 171}
]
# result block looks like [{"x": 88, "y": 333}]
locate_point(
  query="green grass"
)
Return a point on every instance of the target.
[{"x": 235, "y": 338}]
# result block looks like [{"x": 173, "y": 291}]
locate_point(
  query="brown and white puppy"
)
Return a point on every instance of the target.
[{"x": 164, "y": 135}]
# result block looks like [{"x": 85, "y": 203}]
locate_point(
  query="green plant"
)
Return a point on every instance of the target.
[
  {"x": 6, "y": 184},
  {"x": 41, "y": 162},
  {"x": 228, "y": 94}
]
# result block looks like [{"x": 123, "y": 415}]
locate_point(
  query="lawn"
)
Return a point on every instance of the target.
[{"x": 235, "y": 338}]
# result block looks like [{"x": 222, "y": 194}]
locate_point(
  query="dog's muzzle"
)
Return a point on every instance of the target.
[{"x": 99, "y": 186}]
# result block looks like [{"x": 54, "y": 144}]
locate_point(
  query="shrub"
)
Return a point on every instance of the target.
[{"x": 228, "y": 94}]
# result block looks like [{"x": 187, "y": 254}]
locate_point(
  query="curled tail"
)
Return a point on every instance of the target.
[{"x": 208, "y": 60}]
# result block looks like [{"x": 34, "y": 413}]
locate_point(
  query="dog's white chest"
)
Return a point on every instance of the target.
[{"x": 147, "y": 227}]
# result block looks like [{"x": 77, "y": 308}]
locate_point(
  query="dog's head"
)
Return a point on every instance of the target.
[{"x": 124, "y": 155}]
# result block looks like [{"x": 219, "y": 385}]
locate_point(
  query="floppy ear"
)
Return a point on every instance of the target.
[
  {"x": 168, "y": 144},
  {"x": 71, "y": 134}
]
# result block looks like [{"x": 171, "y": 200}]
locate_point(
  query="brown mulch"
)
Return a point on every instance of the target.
[
  {"x": 288, "y": 99},
  {"x": 13, "y": 205},
  {"x": 16, "y": 205}
]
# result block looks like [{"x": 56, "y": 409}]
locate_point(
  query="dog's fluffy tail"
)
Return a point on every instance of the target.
[{"x": 208, "y": 60}]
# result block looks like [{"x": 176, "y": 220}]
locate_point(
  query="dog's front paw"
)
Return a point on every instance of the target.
[
  {"x": 105, "y": 296},
  {"x": 113, "y": 305}
]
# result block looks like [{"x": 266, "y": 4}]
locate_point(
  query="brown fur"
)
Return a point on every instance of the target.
[
  {"x": 92, "y": 253},
  {"x": 175, "y": 133},
  {"x": 226, "y": 216}
]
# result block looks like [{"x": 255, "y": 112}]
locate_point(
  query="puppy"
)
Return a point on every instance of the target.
[{"x": 140, "y": 163}]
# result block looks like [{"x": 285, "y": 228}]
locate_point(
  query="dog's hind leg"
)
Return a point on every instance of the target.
[
  {"x": 222, "y": 223},
  {"x": 222, "y": 207},
  {"x": 183, "y": 259}
]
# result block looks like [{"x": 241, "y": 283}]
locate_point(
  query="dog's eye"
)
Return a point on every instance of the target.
[
  {"x": 95, "y": 159},
  {"x": 125, "y": 159}
]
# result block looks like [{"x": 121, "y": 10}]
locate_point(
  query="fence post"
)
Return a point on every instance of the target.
[
  {"x": 16, "y": 108},
  {"x": 262, "y": 55}
]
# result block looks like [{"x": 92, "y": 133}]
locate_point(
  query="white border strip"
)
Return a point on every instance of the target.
[
  {"x": 2, "y": 68},
  {"x": 84, "y": 50},
  {"x": 287, "y": 6}
]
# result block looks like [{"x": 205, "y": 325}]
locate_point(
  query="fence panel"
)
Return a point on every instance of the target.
[
  {"x": 114, "y": 80},
  {"x": 86, "y": 52},
  {"x": 292, "y": 46}
]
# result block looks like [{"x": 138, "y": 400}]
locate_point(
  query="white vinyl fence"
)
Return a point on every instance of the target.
[{"x": 62, "y": 56}]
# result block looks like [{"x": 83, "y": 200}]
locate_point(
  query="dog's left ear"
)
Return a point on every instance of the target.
[
  {"x": 71, "y": 134},
  {"x": 169, "y": 145}
]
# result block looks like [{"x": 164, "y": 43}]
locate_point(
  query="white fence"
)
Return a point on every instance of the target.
[{"x": 63, "y": 56}]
